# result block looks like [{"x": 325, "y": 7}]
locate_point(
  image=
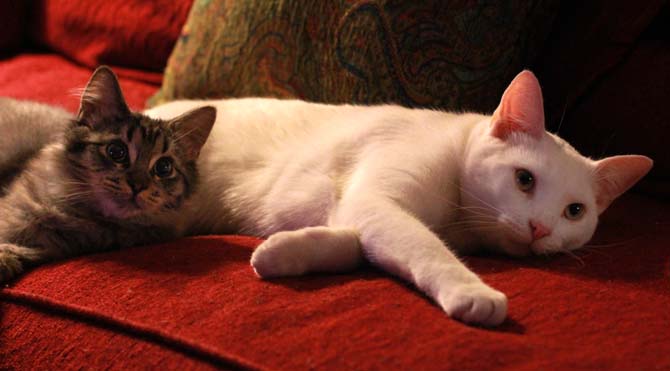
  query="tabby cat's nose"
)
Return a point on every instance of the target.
[
  {"x": 538, "y": 229},
  {"x": 136, "y": 186}
]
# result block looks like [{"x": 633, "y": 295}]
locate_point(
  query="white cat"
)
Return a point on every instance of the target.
[{"x": 404, "y": 188}]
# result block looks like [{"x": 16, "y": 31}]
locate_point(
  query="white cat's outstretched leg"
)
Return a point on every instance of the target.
[
  {"x": 312, "y": 249},
  {"x": 396, "y": 241}
]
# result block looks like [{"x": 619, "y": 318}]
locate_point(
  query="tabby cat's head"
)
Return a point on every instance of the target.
[{"x": 130, "y": 165}]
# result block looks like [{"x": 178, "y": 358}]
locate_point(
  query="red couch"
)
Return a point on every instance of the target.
[{"x": 196, "y": 304}]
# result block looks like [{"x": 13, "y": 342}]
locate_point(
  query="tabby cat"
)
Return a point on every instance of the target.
[{"x": 105, "y": 179}]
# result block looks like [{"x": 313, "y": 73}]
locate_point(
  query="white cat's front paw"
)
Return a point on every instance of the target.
[
  {"x": 311, "y": 249},
  {"x": 278, "y": 256},
  {"x": 475, "y": 304}
]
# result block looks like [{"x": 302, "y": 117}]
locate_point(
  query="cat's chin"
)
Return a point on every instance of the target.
[
  {"x": 121, "y": 209},
  {"x": 518, "y": 250},
  {"x": 515, "y": 243},
  {"x": 538, "y": 247}
]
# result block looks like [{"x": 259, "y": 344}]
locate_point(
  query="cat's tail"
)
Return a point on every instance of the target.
[{"x": 26, "y": 127}]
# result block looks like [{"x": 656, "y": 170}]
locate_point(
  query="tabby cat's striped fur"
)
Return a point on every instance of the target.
[{"x": 109, "y": 178}]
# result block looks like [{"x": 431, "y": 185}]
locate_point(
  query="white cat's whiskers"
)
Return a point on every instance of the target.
[
  {"x": 475, "y": 228},
  {"x": 596, "y": 250},
  {"x": 481, "y": 211},
  {"x": 472, "y": 221},
  {"x": 560, "y": 123},
  {"x": 451, "y": 203},
  {"x": 478, "y": 198},
  {"x": 618, "y": 243},
  {"x": 571, "y": 254},
  {"x": 482, "y": 223},
  {"x": 476, "y": 210}
]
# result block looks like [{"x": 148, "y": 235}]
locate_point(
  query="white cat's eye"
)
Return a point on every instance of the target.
[
  {"x": 524, "y": 180},
  {"x": 574, "y": 211}
]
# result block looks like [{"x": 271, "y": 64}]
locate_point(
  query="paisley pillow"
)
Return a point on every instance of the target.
[{"x": 446, "y": 54}]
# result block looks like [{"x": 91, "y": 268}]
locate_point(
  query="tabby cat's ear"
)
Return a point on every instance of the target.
[
  {"x": 615, "y": 175},
  {"x": 521, "y": 108},
  {"x": 102, "y": 100},
  {"x": 192, "y": 129}
]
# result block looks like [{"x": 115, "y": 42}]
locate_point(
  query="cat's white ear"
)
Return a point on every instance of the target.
[
  {"x": 192, "y": 129},
  {"x": 102, "y": 100},
  {"x": 615, "y": 175},
  {"x": 521, "y": 108}
]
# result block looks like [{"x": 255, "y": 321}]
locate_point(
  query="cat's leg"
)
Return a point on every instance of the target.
[
  {"x": 44, "y": 237},
  {"x": 311, "y": 249},
  {"x": 13, "y": 259},
  {"x": 399, "y": 243}
]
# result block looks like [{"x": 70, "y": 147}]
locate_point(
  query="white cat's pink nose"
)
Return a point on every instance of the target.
[{"x": 538, "y": 229}]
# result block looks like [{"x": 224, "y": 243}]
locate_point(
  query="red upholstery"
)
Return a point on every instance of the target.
[
  {"x": 125, "y": 33},
  {"x": 52, "y": 79}
]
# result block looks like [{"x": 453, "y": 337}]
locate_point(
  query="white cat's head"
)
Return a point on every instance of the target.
[{"x": 540, "y": 193}]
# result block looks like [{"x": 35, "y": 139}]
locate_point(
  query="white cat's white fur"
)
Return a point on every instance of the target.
[{"x": 404, "y": 188}]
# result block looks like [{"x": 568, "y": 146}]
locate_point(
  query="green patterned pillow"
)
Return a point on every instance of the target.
[{"x": 456, "y": 55}]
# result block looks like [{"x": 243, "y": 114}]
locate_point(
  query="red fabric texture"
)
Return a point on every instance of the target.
[
  {"x": 199, "y": 299},
  {"x": 52, "y": 79},
  {"x": 128, "y": 33},
  {"x": 80, "y": 344}
]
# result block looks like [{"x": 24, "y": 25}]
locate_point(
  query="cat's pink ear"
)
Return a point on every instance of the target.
[
  {"x": 615, "y": 175},
  {"x": 520, "y": 109}
]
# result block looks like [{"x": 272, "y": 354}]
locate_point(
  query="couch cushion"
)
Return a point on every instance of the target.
[
  {"x": 52, "y": 79},
  {"x": 129, "y": 33},
  {"x": 64, "y": 343},
  {"x": 456, "y": 55},
  {"x": 199, "y": 298}
]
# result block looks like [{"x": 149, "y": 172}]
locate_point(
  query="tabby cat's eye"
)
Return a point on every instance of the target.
[
  {"x": 117, "y": 151},
  {"x": 524, "y": 180},
  {"x": 574, "y": 211},
  {"x": 163, "y": 167}
]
